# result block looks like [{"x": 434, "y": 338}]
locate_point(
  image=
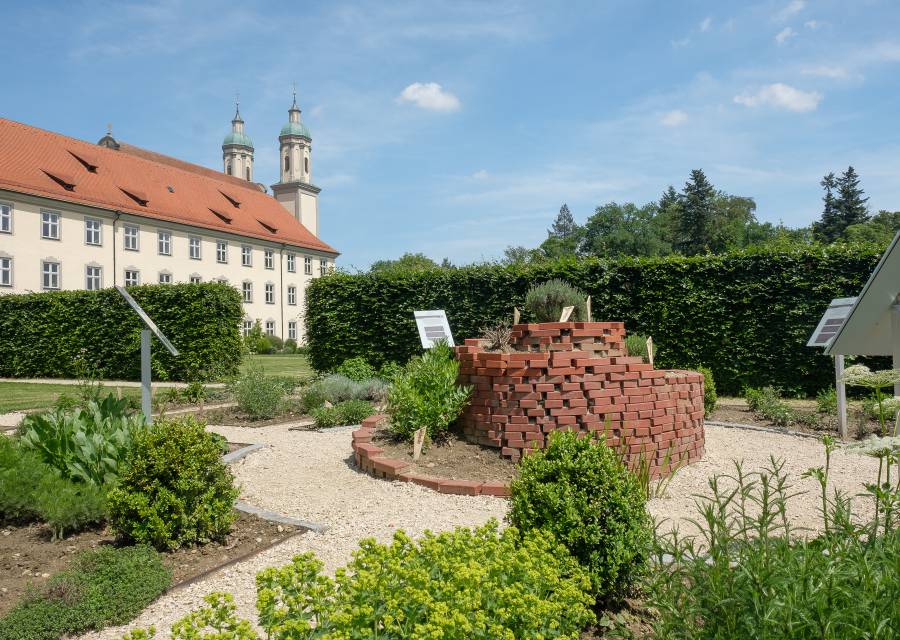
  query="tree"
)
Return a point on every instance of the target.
[
  {"x": 624, "y": 230},
  {"x": 406, "y": 262},
  {"x": 850, "y": 204},
  {"x": 564, "y": 226},
  {"x": 828, "y": 227},
  {"x": 879, "y": 230},
  {"x": 732, "y": 220},
  {"x": 694, "y": 223},
  {"x": 522, "y": 255},
  {"x": 563, "y": 236}
]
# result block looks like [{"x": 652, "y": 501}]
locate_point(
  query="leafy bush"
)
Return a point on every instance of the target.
[
  {"x": 746, "y": 576},
  {"x": 767, "y": 403},
  {"x": 195, "y": 392},
  {"x": 389, "y": 370},
  {"x": 258, "y": 395},
  {"x": 737, "y": 313},
  {"x": 174, "y": 489},
  {"x": 102, "y": 587},
  {"x": 461, "y": 584},
  {"x": 312, "y": 397},
  {"x": 710, "y": 397},
  {"x": 85, "y": 444},
  {"x": 42, "y": 334},
  {"x": 826, "y": 401},
  {"x": 290, "y": 346},
  {"x": 376, "y": 389},
  {"x": 336, "y": 388},
  {"x": 579, "y": 490},
  {"x": 636, "y": 345},
  {"x": 426, "y": 394},
  {"x": 356, "y": 369},
  {"x": 31, "y": 489},
  {"x": 343, "y": 413},
  {"x": 545, "y": 302}
]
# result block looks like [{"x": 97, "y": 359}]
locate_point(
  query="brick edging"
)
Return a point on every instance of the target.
[{"x": 370, "y": 459}]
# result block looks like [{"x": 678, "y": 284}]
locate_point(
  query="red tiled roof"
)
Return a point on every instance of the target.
[{"x": 43, "y": 163}]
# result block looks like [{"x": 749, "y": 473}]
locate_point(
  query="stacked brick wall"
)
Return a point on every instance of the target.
[{"x": 577, "y": 376}]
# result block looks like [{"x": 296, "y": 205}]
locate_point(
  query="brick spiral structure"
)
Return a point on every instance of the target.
[{"x": 576, "y": 376}]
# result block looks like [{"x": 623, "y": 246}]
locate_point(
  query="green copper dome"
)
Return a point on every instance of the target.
[
  {"x": 295, "y": 129},
  {"x": 238, "y": 138}
]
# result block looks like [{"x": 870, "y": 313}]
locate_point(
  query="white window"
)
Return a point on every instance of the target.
[
  {"x": 270, "y": 327},
  {"x": 270, "y": 293},
  {"x": 247, "y": 289},
  {"x": 221, "y": 251},
  {"x": 92, "y": 228},
  {"x": 165, "y": 277},
  {"x": 92, "y": 278},
  {"x": 49, "y": 275},
  {"x": 164, "y": 239},
  {"x": 307, "y": 265},
  {"x": 247, "y": 327},
  {"x": 270, "y": 259},
  {"x": 131, "y": 234},
  {"x": 291, "y": 262},
  {"x": 194, "y": 247},
  {"x": 292, "y": 294},
  {"x": 132, "y": 277},
  {"x": 246, "y": 255},
  {"x": 50, "y": 225},
  {"x": 222, "y": 280},
  {"x": 292, "y": 330},
  {"x": 6, "y": 272},
  {"x": 5, "y": 218},
  {"x": 323, "y": 266},
  {"x": 196, "y": 279}
]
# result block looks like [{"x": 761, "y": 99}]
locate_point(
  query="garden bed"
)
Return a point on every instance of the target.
[
  {"x": 454, "y": 458},
  {"x": 735, "y": 410},
  {"x": 29, "y": 556},
  {"x": 234, "y": 417}
]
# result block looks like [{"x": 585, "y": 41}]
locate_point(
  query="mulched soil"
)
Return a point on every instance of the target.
[
  {"x": 454, "y": 459},
  {"x": 234, "y": 417},
  {"x": 29, "y": 556},
  {"x": 736, "y": 410}
]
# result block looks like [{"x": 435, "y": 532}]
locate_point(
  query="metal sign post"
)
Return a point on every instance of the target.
[
  {"x": 895, "y": 339},
  {"x": 146, "y": 373},
  {"x": 841, "y": 389},
  {"x": 828, "y": 327}
]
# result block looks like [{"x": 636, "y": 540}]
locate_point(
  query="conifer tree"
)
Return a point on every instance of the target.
[
  {"x": 564, "y": 225},
  {"x": 694, "y": 226},
  {"x": 828, "y": 227},
  {"x": 851, "y": 205}
]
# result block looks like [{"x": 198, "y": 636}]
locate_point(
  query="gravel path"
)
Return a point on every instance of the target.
[{"x": 309, "y": 475}]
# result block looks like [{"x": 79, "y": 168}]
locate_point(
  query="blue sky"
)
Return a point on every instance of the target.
[{"x": 458, "y": 128}]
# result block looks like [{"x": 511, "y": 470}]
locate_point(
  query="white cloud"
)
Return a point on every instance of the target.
[
  {"x": 782, "y": 96},
  {"x": 825, "y": 71},
  {"x": 674, "y": 118},
  {"x": 706, "y": 24},
  {"x": 790, "y": 9},
  {"x": 782, "y": 36},
  {"x": 481, "y": 174},
  {"x": 429, "y": 95}
]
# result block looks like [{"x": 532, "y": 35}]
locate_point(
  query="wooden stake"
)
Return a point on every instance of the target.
[
  {"x": 418, "y": 441},
  {"x": 650, "y": 350},
  {"x": 566, "y": 313},
  {"x": 516, "y": 315},
  {"x": 588, "y": 305}
]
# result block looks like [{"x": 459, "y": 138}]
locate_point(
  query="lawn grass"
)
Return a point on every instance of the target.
[
  {"x": 15, "y": 396},
  {"x": 280, "y": 364}
]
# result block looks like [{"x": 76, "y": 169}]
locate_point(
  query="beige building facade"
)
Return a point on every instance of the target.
[{"x": 249, "y": 239}]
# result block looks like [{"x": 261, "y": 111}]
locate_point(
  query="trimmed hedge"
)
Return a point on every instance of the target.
[
  {"x": 746, "y": 315},
  {"x": 42, "y": 334}
]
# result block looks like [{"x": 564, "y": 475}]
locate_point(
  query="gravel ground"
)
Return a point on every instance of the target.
[{"x": 309, "y": 475}]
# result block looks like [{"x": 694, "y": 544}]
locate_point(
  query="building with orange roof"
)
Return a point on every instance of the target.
[{"x": 77, "y": 215}]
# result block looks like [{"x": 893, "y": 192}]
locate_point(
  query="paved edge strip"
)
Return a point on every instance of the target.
[
  {"x": 370, "y": 460},
  {"x": 271, "y": 516}
]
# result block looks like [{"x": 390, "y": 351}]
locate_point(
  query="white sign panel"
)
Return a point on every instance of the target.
[
  {"x": 433, "y": 327},
  {"x": 831, "y": 321}
]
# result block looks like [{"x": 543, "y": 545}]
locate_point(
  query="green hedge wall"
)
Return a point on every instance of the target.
[
  {"x": 747, "y": 315},
  {"x": 42, "y": 334}
]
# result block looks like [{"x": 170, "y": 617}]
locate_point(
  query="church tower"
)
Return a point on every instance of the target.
[
  {"x": 237, "y": 150},
  {"x": 295, "y": 190}
]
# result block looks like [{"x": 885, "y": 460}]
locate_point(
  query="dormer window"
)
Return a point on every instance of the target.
[
  {"x": 221, "y": 216},
  {"x": 62, "y": 179},
  {"x": 86, "y": 162},
  {"x": 135, "y": 194},
  {"x": 234, "y": 201}
]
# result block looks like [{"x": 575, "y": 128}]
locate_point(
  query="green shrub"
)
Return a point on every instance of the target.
[
  {"x": 312, "y": 397},
  {"x": 43, "y": 335},
  {"x": 477, "y": 584},
  {"x": 767, "y": 402},
  {"x": 258, "y": 395},
  {"x": 195, "y": 392},
  {"x": 579, "y": 490},
  {"x": 343, "y": 413},
  {"x": 290, "y": 346},
  {"x": 336, "y": 388},
  {"x": 710, "y": 397},
  {"x": 747, "y": 575},
  {"x": 85, "y": 444},
  {"x": 174, "y": 489},
  {"x": 636, "y": 345},
  {"x": 826, "y": 401},
  {"x": 389, "y": 370},
  {"x": 356, "y": 369},
  {"x": 426, "y": 394},
  {"x": 545, "y": 302},
  {"x": 737, "y": 313},
  {"x": 102, "y": 587}
]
